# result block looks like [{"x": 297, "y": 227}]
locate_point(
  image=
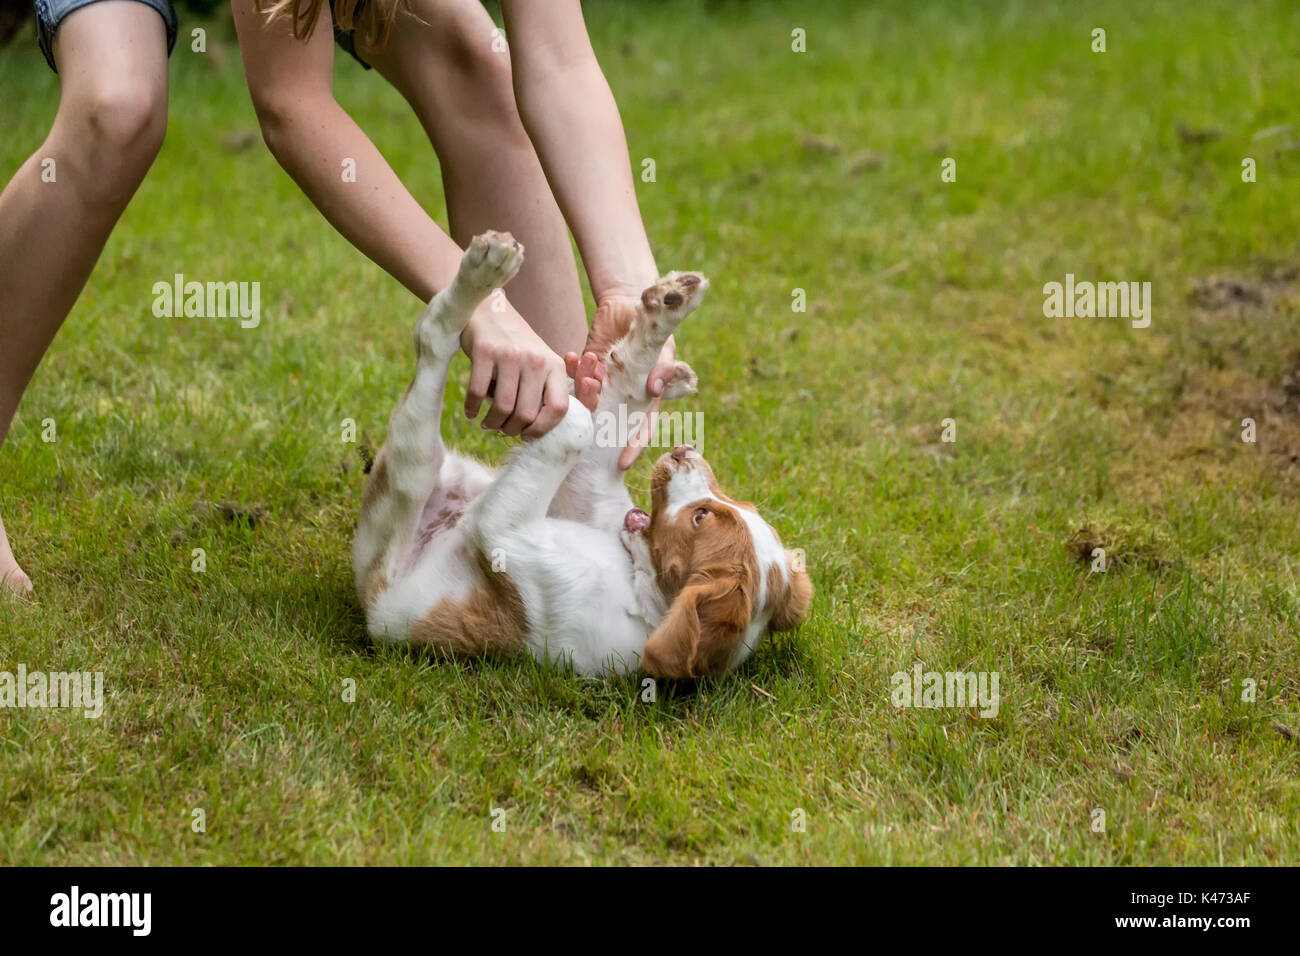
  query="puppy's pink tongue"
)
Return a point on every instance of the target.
[{"x": 636, "y": 520}]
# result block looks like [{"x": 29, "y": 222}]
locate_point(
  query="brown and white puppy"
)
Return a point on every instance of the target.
[{"x": 547, "y": 554}]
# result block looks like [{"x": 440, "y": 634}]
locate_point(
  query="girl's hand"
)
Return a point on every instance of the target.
[
  {"x": 512, "y": 365},
  {"x": 613, "y": 318},
  {"x": 588, "y": 376}
]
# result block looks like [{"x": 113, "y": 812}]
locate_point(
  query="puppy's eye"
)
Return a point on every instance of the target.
[{"x": 700, "y": 515}]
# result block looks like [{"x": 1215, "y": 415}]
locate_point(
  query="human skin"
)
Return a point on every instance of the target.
[
  {"x": 112, "y": 117},
  {"x": 440, "y": 56},
  {"x": 113, "y": 74}
]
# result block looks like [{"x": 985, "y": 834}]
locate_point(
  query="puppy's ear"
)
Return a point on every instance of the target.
[
  {"x": 792, "y": 607},
  {"x": 702, "y": 628}
]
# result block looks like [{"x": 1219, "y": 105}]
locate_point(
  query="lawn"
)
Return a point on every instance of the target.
[{"x": 1124, "y": 691}]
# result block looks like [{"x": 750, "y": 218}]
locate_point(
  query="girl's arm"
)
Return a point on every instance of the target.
[
  {"x": 571, "y": 117},
  {"x": 290, "y": 81}
]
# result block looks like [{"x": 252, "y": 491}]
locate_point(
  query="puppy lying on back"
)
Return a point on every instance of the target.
[{"x": 548, "y": 554}]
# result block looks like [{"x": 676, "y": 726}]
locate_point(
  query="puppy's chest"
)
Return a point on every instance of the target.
[{"x": 575, "y": 577}]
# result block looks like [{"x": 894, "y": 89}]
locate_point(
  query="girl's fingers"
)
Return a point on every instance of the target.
[
  {"x": 528, "y": 401},
  {"x": 481, "y": 373},
  {"x": 557, "y": 403},
  {"x": 503, "y": 396},
  {"x": 588, "y": 391},
  {"x": 660, "y": 376},
  {"x": 588, "y": 380},
  {"x": 664, "y": 369},
  {"x": 588, "y": 366},
  {"x": 591, "y": 366},
  {"x": 638, "y": 442}
]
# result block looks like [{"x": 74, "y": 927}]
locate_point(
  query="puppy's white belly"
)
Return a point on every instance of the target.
[
  {"x": 576, "y": 586},
  {"x": 575, "y": 583},
  {"x": 596, "y": 648}
]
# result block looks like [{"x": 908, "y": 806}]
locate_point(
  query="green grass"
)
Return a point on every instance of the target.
[{"x": 1120, "y": 691}]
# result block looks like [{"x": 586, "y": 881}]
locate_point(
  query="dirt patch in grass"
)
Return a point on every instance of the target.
[
  {"x": 1217, "y": 293},
  {"x": 232, "y": 512},
  {"x": 1126, "y": 545},
  {"x": 1235, "y": 389},
  {"x": 1236, "y": 422},
  {"x": 215, "y": 512}
]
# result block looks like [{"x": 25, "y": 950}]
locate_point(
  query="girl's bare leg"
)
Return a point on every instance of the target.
[
  {"x": 573, "y": 121},
  {"x": 112, "y": 116},
  {"x": 461, "y": 90},
  {"x": 310, "y": 134}
]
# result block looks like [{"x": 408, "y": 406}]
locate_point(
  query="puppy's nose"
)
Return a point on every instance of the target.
[{"x": 681, "y": 452}]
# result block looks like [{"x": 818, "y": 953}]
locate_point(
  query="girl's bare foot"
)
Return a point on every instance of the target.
[{"x": 12, "y": 577}]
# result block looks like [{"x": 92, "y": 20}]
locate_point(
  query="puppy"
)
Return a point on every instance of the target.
[{"x": 548, "y": 554}]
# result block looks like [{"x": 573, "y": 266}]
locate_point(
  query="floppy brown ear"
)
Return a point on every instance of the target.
[
  {"x": 702, "y": 628},
  {"x": 793, "y": 608}
]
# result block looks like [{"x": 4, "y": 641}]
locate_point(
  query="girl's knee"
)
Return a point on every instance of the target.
[
  {"x": 116, "y": 128},
  {"x": 454, "y": 57},
  {"x": 128, "y": 120},
  {"x": 114, "y": 133}
]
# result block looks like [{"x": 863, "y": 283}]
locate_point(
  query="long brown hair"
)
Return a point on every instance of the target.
[{"x": 371, "y": 20}]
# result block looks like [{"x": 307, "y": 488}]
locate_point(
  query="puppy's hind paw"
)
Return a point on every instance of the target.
[{"x": 684, "y": 382}]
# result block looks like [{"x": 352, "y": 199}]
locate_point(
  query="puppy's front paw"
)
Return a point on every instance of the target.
[
  {"x": 684, "y": 382},
  {"x": 491, "y": 261}
]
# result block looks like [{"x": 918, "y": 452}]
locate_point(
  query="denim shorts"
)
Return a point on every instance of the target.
[{"x": 50, "y": 13}]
